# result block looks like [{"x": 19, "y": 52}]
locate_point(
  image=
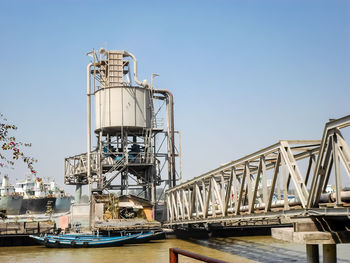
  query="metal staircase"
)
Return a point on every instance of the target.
[{"x": 118, "y": 168}]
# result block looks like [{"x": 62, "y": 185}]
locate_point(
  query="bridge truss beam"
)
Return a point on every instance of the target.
[{"x": 267, "y": 183}]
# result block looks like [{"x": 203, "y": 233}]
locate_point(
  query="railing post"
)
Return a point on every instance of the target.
[
  {"x": 174, "y": 252},
  {"x": 173, "y": 257}
]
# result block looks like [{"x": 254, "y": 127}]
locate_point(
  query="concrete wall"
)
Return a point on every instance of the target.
[{"x": 80, "y": 214}]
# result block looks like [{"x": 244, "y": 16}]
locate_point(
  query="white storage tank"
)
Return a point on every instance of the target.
[{"x": 124, "y": 106}]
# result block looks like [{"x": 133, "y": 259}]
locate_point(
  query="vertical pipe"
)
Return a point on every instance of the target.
[
  {"x": 89, "y": 136},
  {"x": 169, "y": 150},
  {"x": 172, "y": 132},
  {"x": 172, "y": 138},
  {"x": 94, "y": 54},
  {"x": 100, "y": 151}
]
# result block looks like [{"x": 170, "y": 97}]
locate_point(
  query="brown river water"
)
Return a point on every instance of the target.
[{"x": 233, "y": 249}]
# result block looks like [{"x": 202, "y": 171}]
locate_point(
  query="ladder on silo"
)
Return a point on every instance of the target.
[{"x": 115, "y": 68}]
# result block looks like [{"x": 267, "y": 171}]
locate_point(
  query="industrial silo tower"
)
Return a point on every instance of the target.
[{"x": 126, "y": 155}]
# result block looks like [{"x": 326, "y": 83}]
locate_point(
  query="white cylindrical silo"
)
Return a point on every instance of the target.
[{"x": 123, "y": 106}]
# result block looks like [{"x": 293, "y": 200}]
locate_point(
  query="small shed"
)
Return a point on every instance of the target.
[
  {"x": 141, "y": 206},
  {"x": 109, "y": 207}
]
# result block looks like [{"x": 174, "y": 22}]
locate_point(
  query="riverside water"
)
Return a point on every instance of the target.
[{"x": 232, "y": 249}]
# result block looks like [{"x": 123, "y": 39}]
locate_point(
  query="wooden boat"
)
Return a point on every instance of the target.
[{"x": 78, "y": 241}]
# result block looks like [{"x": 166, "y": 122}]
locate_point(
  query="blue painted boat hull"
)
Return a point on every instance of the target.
[{"x": 81, "y": 241}]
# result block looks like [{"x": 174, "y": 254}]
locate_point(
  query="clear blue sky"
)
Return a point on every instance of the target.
[{"x": 244, "y": 73}]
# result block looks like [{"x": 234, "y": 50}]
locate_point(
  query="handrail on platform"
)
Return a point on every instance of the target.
[{"x": 174, "y": 256}]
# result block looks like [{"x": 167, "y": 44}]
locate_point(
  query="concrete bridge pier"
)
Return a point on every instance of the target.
[
  {"x": 78, "y": 191},
  {"x": 312, "y": 254},
  {"x": 329, "y": 253},
  {"x": 312, "y": 240}
]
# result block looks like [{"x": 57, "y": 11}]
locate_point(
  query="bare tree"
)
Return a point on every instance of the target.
[{"x": 11, "y": 149}]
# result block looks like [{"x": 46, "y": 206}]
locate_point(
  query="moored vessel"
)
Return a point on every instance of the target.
[
  {"x": 63, "y": 201},
  {"x": 36, "y": 199},
  {"x": 79, "y": 241},
  {"x": 10, "y": 201},
  {"x": 86, "y": 240}
]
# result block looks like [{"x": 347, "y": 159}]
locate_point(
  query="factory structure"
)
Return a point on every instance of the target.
[
  {"x": 136, "y": 149},
  {"x": 132, "y": 165}
]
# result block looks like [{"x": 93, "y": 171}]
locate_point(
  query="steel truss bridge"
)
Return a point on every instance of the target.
[{"x": 276, "y": 185}]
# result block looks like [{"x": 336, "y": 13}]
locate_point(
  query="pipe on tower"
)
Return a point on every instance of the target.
[
  {"x": 127, "y": 54},
  {"x": 172, "y": 181},
  {"x": 88, "y": 92},
  {"x": 89, "y": 136}
]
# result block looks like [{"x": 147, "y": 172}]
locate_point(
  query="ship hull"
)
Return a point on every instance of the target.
[
  {"x": 37, "y": 205},
  {"x": 12, "y": 204},
  {"x": 62, "y": 204}
]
